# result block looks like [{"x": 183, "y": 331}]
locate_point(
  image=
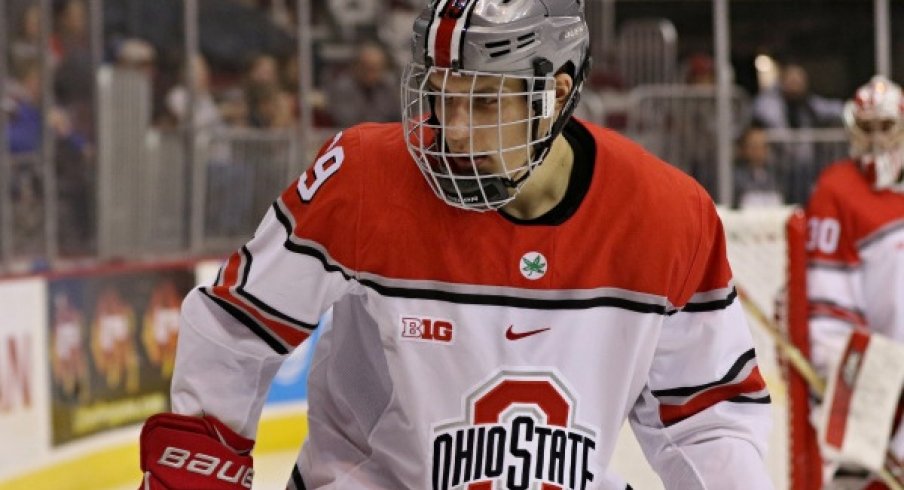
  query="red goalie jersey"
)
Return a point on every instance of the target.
[
  {"x": 468, "y": 350},
  {"x": 856, "y": 260}
]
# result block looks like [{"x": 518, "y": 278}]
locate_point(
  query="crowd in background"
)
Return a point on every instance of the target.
[
  {"x": 252, "y": 87},
  {"x": 247, "y": 76}
]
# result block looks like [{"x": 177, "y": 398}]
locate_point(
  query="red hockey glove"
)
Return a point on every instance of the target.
[{"x": 179, "y": 452}]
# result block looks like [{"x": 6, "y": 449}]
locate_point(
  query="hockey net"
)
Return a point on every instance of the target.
[{"x": 766, "y": 252}]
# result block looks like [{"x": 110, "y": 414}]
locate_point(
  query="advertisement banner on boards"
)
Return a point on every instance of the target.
[
  {"x": 23, "y": 399},
  {"x": 112, "y": 340}
]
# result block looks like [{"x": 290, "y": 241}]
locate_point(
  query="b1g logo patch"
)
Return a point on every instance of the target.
[
  {"x": 519, "y": 432},
  {"x": 427, "y": 329}
]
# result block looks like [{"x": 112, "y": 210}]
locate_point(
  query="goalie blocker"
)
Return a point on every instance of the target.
[{"x": 181, "y": 452}]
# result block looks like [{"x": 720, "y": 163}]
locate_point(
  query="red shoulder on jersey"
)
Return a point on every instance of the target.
[
  {"x": 844, "y": 212},
  {"x": 324, "y": 205},
  {"x": 669, "y": 221},
  {"x": 375, "y": 214}
]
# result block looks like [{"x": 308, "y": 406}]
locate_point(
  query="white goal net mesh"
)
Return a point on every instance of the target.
[{"x": 757, "y": 251}]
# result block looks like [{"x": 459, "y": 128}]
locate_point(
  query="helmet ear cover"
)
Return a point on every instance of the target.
[{"x": 571, "y": 103}]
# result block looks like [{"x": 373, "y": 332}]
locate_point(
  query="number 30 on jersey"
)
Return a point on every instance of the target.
[
  {"x": 325, "y": 166},
  {"x": 823, "y": 234}
]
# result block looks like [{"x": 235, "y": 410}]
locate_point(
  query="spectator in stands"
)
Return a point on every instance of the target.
[
  {"x": 26, "y": 122},
  {"x": 23, "y": 106},
  {"x": 755, "y": 181},
  {"x": 290, "y": 79},
  {"x": 234, "y": 108},
  {"x": 790, "y": 105},
  {"x": 137, "y": 54},
  {"x": 73, "y": 75},
  {"x": 370, "y": 93},
  {"x": 206, "y": 114},
  {"x": 700, "y": 70},
  {"x": 269, "y": 103},
  {"x": 270, "y": 107},
  {"x": 70, "y": 23},
  {"x": 263, "y": 70},
  {"x": 290, "y": 73},
  {"x": 27, "y": 207},
  {"x": 74, "y": 180},
  {"x": 26, "y": 44},
  {"x": 393, "y": 29},
  {"x": 697, "y": 128}
]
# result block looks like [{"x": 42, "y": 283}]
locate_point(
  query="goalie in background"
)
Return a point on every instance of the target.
[{"x": 855, "y": 280}]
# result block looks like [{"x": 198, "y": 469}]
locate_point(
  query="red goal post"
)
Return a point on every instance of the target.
[{"x": 803, "y": 451}]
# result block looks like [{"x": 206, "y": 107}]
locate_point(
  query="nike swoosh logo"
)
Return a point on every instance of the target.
[{"x": 513, "y": 335}]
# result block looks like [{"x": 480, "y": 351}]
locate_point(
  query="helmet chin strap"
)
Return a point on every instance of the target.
[
  {"x": 496, "y": 189},
  {"x": 469, "y": 191}
]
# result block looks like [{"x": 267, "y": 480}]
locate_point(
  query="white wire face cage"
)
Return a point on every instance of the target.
[
  {"x": 476, "y": 136},
  {"x": 874, "y": 119}
]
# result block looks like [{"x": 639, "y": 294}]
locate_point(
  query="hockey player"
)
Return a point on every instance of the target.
[
  {"x": 855, "y": 221},
  {"x": 495, "y": 327}
]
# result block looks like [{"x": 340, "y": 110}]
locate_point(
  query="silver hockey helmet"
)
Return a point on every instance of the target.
[
  {"x": 874, "y": 118},
  {"x": 479, "y": 99}
]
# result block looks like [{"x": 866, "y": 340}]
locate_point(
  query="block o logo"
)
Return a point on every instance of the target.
[{"x": 519, "y": 431}]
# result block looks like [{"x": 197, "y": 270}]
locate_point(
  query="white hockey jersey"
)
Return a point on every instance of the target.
[
  {"x": 469, "y": 351},
  {"x": 855, "y": 274}
]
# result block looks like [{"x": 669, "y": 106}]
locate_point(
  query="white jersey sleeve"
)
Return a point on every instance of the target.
[
  {"x": 266, "y": 300},
  {"x": 703, "y": 417}
]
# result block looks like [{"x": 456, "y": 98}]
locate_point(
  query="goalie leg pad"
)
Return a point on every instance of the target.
[{"x": 861, "y": 400}]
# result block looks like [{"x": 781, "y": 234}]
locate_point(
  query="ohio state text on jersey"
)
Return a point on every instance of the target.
[{"x": 470, "y": 351}]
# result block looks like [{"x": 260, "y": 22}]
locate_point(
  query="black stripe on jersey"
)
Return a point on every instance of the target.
[
  {"x": 260, "y": 305},
  {"x": 715, "y": 305},
  {"x": 746, "y": 399},
  {"x": 829, "y": 265},
  {"x": 216, "y": 281},
  {"x": 249, "y": 322},
  {"x": 517, "y": 302},
  {"x": 730, "y": 375},
  {"x": 297, "y": 480},
  {"x": 304, "y": 249},
  {"x": 468, "y": 298}
]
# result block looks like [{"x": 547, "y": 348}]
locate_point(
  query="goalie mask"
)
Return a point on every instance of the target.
[
  {"x": 874, "y": 119},
  {"x": 479, "y": 100}
]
